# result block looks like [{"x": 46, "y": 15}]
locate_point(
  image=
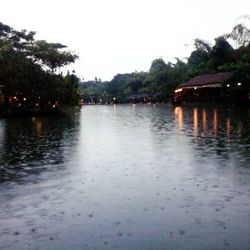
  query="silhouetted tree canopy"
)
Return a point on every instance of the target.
[
  {"x": 28, "y": 71},
  {"x": 163, "y": 77}
]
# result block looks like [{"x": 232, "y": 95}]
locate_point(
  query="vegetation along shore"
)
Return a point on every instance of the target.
[
  {"x": 31, "y": 80},
  {"x": 30, "y": 76}
]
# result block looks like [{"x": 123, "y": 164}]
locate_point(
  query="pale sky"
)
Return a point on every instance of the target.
[{"x": 122, "y": 36}]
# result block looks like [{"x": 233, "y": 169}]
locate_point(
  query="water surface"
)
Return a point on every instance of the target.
[{"x": 126, "y": 177}]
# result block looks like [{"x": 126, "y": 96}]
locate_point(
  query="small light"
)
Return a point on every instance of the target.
[
  {"x": 24, "y": 99},
  {"x": 195, "y": 88},
  {"x": 14, "y": 97},
  {"x": 54, "y": 106},
  {"x": 239, "y": 84},
  {"x": 114, "y": 98},
  {"x": 228, "y": 85},
  {"x": 178, "y": 90}
]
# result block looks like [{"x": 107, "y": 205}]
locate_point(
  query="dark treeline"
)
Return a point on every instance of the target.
[
  {"x": 230, "y": 52},
  {"x": 30, "y": 77}
]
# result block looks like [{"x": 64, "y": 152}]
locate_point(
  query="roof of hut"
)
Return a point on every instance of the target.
[{"x": 207, "y": 79}]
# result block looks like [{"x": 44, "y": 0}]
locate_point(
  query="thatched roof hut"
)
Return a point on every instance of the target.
[
  {"x": 208, "y": 80},
  {"x": 218, "y": 87}
]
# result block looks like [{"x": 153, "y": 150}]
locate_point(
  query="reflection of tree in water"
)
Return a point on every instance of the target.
[{"x": 30, "y": 145}]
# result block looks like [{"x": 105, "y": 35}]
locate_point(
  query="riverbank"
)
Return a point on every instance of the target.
[{"x": 39, "y": 112}]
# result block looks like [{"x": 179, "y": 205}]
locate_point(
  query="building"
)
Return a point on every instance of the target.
[
  {"x": 145, "y": 98},
  {"x": 212, "y": 88}
]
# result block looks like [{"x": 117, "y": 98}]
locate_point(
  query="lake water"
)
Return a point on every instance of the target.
[{"x": 126, "y": 177}]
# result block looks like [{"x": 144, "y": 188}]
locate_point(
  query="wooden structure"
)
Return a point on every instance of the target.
[
  {"x": 211, "y": 88},
  {"x": 145, "y": 98}
]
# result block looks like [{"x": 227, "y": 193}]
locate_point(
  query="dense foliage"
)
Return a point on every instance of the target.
[
  {"x": 162, "y": 77},
  {"x": 29, "y": 72}
]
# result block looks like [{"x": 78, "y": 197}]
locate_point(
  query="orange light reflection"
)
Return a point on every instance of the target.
[
  {"x": 239, "y": 130},
  {"x": 204, "y": 120},
  {"x": 215, "y": 122},
  {"x": 228, "y": 126},
  {"x": 179, "y": 118},
  {"x": 196, "y": 124}
]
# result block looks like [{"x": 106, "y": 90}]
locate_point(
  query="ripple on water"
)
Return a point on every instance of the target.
[{"x": 139, "y": 177}]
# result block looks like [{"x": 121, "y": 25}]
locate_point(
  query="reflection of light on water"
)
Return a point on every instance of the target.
[
  {"x": 99, "y": 158},
  {"x": 176, "y": 110},
  {"x": 239, "y": 129},
  {"x": 38, "y": 125},
  {"x": 204, "y": 120},
  {"x": 114, "y": 106},
  {"x": 196, "y": 124},
  {"x": 215, "y": 122},
  {"x": 228, "y": 126},
  {"x": 134, "y": 105},
  {"x": 179, "y": 118}
]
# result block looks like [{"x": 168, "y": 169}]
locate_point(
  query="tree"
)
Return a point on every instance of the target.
[
  {"x": 163, "y": 77},
  {"x": 221, "y": 53},
  {"x": 240, "y": 34},
  {"x": 27, "y": 69},
  {"x": 199, "y": 57}
]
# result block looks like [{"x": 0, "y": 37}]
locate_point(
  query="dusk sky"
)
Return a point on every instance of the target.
[{"x": 118, "y": 36}]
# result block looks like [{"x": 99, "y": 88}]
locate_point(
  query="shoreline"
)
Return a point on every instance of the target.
[{"x": 45, "y": 112}]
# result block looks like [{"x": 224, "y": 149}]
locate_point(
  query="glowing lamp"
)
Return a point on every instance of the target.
[{"x": 178, "y": 90}]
